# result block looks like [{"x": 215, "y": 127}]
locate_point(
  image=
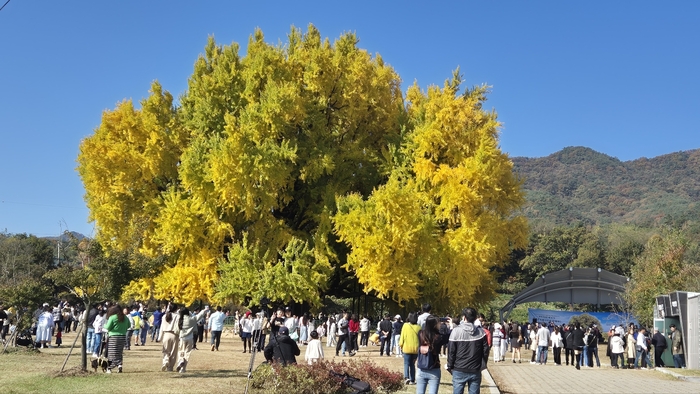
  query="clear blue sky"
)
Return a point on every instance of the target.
[{"x": 621, "y": 77}]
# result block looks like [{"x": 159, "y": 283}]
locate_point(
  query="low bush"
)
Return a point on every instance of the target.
[{"x": 316, "y": 379}]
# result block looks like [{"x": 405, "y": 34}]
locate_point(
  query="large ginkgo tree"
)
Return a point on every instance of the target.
[{"x": 283, "y": 169}]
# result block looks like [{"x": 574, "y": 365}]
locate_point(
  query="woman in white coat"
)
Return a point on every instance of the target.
[
  {"x": 44, "y": 326},
  {"x": 169, "y": 336}
]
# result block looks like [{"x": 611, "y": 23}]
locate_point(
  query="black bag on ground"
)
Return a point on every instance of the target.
[
  {"x": 24, "y": 338},
  {"x": 353, "y": 383}
]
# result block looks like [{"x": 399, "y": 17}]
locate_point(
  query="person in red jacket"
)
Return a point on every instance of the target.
[
  {"x": 488, "y": 337},
  {"x": 353, "y": 331}
]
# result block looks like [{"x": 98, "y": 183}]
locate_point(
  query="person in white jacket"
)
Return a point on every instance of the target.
[
  {"x": 364, "y": 331},
  {"x": 496, "y": 339},
  {"x": 44, "y": 326},
  {"x": 330, "y": 341},
  {"x": 617, "y": 348},
  {"x": 247, "y": 331},
  {"x": 314, "y": 349},
  {"x": 98, "y": 325}
]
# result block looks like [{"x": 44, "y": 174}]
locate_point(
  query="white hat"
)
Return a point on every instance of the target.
[
  {"x": 497, "y": 326},
  {"x": 397, "y": 317}
]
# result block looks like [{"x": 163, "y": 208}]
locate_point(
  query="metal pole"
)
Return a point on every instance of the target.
[{"x": 71, "y": 348}]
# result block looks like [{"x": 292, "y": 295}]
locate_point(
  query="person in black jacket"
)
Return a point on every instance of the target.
[
  {"x": 578, "y": 343},
  {"x": 282, "y": 349},
  {"x": 660, "y": 345},
  {"x": 468, "y": 354},
  {"x": 593, "y": 346},
  {"x": 569, "y": 344},
  {"x": 385, "y": 328}
]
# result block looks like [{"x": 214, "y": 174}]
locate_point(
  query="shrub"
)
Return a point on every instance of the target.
[{"x": 315, "y": 379}]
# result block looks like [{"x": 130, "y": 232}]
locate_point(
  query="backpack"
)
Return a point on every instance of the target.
[{"x": 353, "y": 383}]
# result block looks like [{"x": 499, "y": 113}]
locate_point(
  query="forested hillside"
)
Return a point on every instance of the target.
[{"x": 578, "y": 184}]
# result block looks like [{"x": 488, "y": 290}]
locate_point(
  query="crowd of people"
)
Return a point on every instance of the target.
[
  {"x": 627, "y": 348},
  {"x": 421, "y": 339}
]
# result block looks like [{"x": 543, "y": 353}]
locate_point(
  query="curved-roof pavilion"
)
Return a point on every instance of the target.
[{"x": 572, "y": 286}]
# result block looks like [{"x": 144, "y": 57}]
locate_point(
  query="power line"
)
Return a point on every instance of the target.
[{"x": 3, "y": 6}]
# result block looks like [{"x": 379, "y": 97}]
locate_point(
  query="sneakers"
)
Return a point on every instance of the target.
[
  {"x": 180, "y": 367},
  {"x": 164, "y": 368},
  {"x": 119, "y": 369},
  {"x": 109, "y": 370},
  {"x": 408, "y": 381}
]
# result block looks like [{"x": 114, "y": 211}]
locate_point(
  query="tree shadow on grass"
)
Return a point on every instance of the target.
[{"x": 213, "y": 373}]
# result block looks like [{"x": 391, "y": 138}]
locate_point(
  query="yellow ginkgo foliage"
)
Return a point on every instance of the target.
[
  {"x": 448, "y": 214},
  {"x": 250, "y": 161},
  {"x": 285, "y": 170}
]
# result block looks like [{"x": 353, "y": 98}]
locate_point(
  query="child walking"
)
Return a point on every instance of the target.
[{"x": 314, "y": 349}]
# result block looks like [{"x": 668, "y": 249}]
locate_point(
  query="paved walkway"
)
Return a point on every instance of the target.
[{"x": 542, "y": 379}]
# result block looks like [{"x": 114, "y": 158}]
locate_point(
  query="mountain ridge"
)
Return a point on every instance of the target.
[
  {"x": 579, "y": 184},
  {"x": 65, "y": 237}
]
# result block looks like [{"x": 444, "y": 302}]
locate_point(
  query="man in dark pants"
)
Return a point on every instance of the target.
[
  {"x": 342, "y": 335},
  {"x": 569, "y": 345},
  {"x": 385, "y": 329},
  {"x": 593, "y": 347},
  {"x": 677, "y": 347},
  {"x": 659, "y": 343}
]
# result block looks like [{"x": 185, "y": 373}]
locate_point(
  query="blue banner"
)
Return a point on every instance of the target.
[{"x": 607, "y": 319}]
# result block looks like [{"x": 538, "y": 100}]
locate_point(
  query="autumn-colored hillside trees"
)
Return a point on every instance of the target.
[{"x": 292, "y": 165}]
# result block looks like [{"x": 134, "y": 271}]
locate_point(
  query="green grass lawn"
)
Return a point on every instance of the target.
[{"x": 208, "y": 372}]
